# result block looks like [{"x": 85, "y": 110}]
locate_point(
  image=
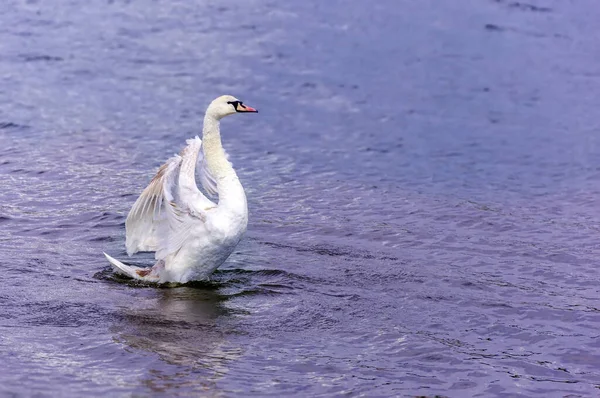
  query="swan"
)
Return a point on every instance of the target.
[{"x": 189, "y": 233}]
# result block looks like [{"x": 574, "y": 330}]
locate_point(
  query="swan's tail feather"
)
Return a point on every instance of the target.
[{"x": 142, "y": 274}]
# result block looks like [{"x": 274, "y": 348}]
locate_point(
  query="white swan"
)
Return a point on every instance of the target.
[{"x": 190, "y": 234}]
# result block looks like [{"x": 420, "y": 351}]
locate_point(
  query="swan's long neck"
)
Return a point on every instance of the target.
[
  {"x": 218, "y": 165},
  {"x": 231, "y": 192}
]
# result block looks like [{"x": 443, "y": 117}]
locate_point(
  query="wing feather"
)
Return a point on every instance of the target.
[
  {"x": 208, "y": 181},
  {"x": 161, "y": 218},
  {"x": 143, "y": 217}
]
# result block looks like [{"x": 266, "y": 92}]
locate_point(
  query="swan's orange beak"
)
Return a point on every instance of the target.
[{"x": 244, "y": 108}]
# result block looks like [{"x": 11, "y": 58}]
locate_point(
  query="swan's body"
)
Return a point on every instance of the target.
[{"x": 191, "y": 235}]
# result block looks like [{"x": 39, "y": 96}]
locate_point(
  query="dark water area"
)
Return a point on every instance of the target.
[{"x": 423, "y": 182}]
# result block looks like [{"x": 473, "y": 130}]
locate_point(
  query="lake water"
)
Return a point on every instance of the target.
[{"x": 423, "y": 182}]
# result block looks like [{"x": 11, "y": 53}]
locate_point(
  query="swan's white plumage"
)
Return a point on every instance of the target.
[
  {"x": 190, "y": 234},
  {"x": 129, "y": 270},
  {"x": 161, "y": 217},
  {"x": 206, "y": 179}
]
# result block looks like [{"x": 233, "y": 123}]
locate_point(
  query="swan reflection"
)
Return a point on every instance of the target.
[{"x": 186, "y": 327}]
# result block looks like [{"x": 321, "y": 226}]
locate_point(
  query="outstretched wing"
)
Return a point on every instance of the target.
[
  {"x": 161, "y": 217},
  {"x": 148, "y": 210}
]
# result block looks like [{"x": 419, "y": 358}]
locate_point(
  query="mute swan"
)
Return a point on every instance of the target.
[{"x": 190, "y": 234}]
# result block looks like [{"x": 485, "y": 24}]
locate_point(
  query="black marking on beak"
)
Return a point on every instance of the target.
[
  {"x": 239, "y": 106},
  {"x": 236, "y": 105}
]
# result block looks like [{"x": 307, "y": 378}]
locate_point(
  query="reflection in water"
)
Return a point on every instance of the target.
[{"x": 186, "y": 327}]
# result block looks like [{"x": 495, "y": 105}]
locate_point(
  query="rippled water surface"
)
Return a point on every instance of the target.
[{"x": 423, "y": 182}]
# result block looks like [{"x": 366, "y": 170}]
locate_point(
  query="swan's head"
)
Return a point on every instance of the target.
[{"x": 227, "y": 105}]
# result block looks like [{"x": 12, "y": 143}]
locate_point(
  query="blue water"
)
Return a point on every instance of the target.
[{"x": 423, "y": 182}]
